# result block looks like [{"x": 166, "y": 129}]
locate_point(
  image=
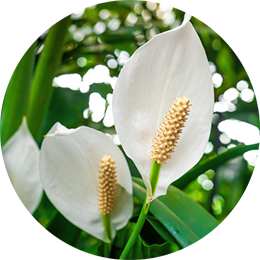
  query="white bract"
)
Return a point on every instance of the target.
[
  {"x": 21, "y": 157},
  {"x": 69, "y": 164},
  {"x": 171, "y": 64}
]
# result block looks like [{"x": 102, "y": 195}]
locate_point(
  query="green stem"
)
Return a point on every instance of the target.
[
  {"x": 107, "y": 250},
  {"x": 213, "y": 163},
  {"x": 136, "y": 231},
  {"x": 41, "y": 89},
  {"x": 108, "y": 233},
  {"x": 154, "y": 177},
  {"x": 107, "y": 225}
]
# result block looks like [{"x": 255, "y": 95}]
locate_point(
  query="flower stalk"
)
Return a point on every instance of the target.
[
  {"x": 155, "y": 172},
  {"x": 107, "y": 225},
  {"x": 164, "y": 144},
  {"x": 138, "y": 227},
  {"x": 108, "y": 233},
  {"x": 154, "y": 177}
]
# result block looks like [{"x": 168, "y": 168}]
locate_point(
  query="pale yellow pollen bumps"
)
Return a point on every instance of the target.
[
  {"x": 169, "y": 133},
  {"x": 107, "y": 184}
]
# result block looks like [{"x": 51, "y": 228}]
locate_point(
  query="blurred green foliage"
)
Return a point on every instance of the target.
[
  {"x": 98, "y": 37},
  {"x": 106, "y": 30}
]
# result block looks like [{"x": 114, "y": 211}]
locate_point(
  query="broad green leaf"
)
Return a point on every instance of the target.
[
  {"x": 191, "y": 213},
  {"x": 161, "y": 230},
  {"x": 181, "y": 232},
  {"x": 186, "y": 220}
]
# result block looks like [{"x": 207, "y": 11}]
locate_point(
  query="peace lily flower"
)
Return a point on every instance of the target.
[
  {"x": 171, "y": 65},
  {"x": 86, "y": 177},
  {"x": 21, "y": 157}
]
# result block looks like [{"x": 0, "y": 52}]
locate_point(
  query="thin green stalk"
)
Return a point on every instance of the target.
[
  {"x": 155, "y": 171},
  {"x": 41, "y": 90},
  {"x": 107, "y": 249},
  {"x": 108, "y": 232},
  {"x": 138, "y": 227},
  {"x": 107, "y": 225}
]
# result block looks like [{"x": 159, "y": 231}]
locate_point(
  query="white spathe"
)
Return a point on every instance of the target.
[
  {"x": 171, "y": 64},
  {"x": 69, "y": 164},
  {"x": 21, "y": 158}
]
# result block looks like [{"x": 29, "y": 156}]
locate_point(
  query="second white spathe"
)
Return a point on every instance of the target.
[{"x": 69, "y": 164}]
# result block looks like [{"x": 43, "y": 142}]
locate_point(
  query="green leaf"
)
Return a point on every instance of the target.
[
  {"x": 85, "y": 240},
  {"x": 160, "y": 229},
  {"x": 88, "y": 243},
  {"x": 41, "y": 89},
  {"x": 182, "y": 233},
  {"x": 166, "y": 251},
  {"x": 213, "y": 163},
  {"x": 137, "y": 207},
  {"x": 45, "y": 212},
  {"x": 185, "y": 220},
  {"x": 17, "y": 79}
]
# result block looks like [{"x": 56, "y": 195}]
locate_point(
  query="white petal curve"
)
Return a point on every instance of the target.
[
  {"x": 171, "y": 64},
  {"x": 21, "y": 157},
  {"x": 69, "y": 163}
]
